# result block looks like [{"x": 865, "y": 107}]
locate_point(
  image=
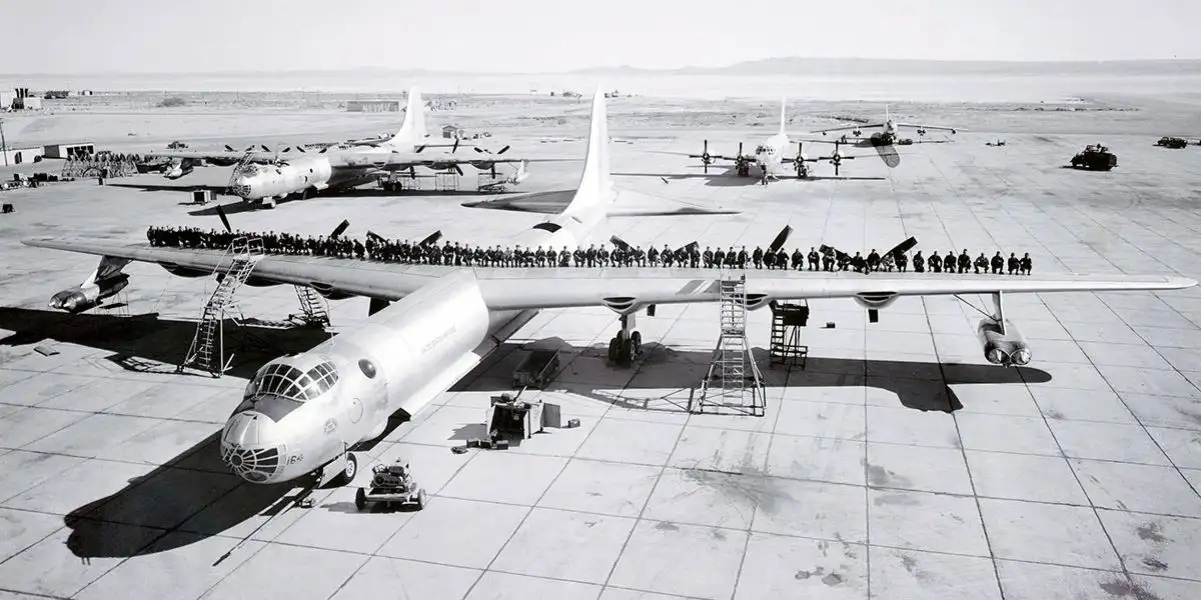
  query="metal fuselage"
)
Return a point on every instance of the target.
[
  {"x": 770, "y": 155},
  {"x": 337, "y": 168},
  {"x": 401, "y": 359}
]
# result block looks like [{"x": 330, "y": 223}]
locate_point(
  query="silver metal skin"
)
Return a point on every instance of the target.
[
  {"x": 1003, "y": 346},
  {"x": 401, "y": 359}
]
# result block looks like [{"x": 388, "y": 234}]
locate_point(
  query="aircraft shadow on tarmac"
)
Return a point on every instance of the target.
[{"x": 194, "y": 496}]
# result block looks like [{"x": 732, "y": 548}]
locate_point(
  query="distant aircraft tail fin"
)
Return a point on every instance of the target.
[
  {"x": 412, "y": 130},
  {"x": 596, "y": 185},
  {"x": 783, "y": 116}
]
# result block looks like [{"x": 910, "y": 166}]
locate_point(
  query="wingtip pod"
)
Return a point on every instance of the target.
[{"x": 1179, "y": 283}]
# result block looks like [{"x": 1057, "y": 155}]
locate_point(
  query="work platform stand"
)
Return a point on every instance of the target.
[
  {"x": 786, "y": 323},
  {"x": 207, "y": 352},
  {"x": 733, "y": 384}
]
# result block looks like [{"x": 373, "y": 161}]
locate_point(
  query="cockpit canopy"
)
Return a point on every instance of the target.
[
  {"x": 286, "y": 380},
  {"x": 280, "y": 388},
  {"x": 763, "y": 149}
]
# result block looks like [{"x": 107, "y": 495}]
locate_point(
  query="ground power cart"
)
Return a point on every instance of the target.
[{"x": 392, "y": 486}]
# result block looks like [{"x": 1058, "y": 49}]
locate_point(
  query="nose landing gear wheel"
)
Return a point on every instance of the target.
[{"x": 349, "y": 470}]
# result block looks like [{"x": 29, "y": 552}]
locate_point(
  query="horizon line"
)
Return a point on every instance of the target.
[{"x": 601, "y": 68}]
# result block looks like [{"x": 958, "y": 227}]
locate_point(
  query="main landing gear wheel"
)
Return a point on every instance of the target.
[
  {"x": 360, "y": 499},
  {"x": 623, "y": 350}
]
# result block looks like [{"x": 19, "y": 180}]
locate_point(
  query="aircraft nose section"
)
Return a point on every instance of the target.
[
  {"x": 252, "y": 447},
  {"x": 243, "y": 186}
]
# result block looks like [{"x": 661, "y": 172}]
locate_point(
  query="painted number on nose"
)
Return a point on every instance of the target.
[{"x": 295, "y": 458}]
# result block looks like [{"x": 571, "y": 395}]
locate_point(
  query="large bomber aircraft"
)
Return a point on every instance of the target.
[
  {"x": 770, "y": 156},
  {"x": 889, "y": 130},
  {"x": 429, "y": 326},
  {"x": 269, "y": 176}
]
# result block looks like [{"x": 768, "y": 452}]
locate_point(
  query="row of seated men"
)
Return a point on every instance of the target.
[{"x": 456, "y": 254}]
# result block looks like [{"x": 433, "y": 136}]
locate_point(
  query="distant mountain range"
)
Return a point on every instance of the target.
[
  {"x": 875, "y": 66},
  {"x": 763, "y": 67}
]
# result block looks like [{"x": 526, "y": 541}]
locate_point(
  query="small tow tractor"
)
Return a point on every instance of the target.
[{"x": 391, "y": 485}]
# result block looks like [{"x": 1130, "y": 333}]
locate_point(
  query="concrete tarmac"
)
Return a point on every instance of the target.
[{"x": 897, "y": 464}]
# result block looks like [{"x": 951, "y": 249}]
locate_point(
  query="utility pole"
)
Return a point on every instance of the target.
[{"x": 3, "y": 143}]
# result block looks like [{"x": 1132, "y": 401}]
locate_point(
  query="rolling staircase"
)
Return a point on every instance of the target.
[
  {"x": 733, "y": 384},
  {"x": 314, "y": 312},
  {"x": 207, "y": 352},
  {"x": 786, "y": 323}
]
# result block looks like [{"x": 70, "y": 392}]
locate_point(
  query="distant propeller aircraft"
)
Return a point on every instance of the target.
[
  {"x": 770, "y": 156},
  {"x": 269, "y": 176}
]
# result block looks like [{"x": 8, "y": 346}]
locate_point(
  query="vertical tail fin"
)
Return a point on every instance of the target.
[
  {"x": 412, "y": 130},
  {"x": 783, "y": 118},
  {"x": 595, "y": 184}
]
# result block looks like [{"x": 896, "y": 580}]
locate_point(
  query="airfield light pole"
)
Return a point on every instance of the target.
[{"x": 3, "y": 143}]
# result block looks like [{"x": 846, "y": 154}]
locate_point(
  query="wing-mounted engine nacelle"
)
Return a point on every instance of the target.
[
  {"x": 179, "y": 168},
  {"x": 874, "y": 301},
  {"x": 1002, "y": 345},
  {"x": 84, "y": 297}
]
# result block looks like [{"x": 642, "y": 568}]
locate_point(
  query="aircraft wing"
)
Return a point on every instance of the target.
[
  {"x": 851, "y": 128},
  {"x": 392, "y": 161},
  {"x": 504, "y": 290},
  {"x": 750, "y": 158},
  {"x": 222, "y": 155},
  {"x": 386, "y": 281},
  {"x": 935, "y": 127},
  {"x": 621, "y": 288}
]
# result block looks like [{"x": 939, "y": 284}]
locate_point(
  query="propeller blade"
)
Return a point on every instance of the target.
[
  {"x": 287, "y": 149},
  {"x": 323, "y": 150},
  {"x": 229, "y": 148},
  {"x": 375, "y": 236},
  {"x": 781, "y": 237},
  {"x": 224, "y": 219},
  {"x": 419, "y": 149},
  {"x": 455, "y": 148},
  {"x": 457, "y": 169},
  {"x": 620, "y": 243},
  {"x": 264, "y": 147},
  {"x": 301, "y": 149},
  {"x": 503, "y": 150},
  {"x": 250, "y": 148},
  {"x": 902, "y": 247},
  {"x": 431, "y": 238},
  {"x": 480, "y": 150},
  {"x": 340, "y": 229}
]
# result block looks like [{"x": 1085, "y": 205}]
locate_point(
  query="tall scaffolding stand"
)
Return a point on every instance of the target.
[
  {"x": 207, "y": 352},
  {"x": 733, "y": 384}
]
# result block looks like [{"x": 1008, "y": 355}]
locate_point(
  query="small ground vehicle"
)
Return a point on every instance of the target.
[
  {"x": 1172, "y": 142},
  {"x": 1095, "y": 158},
  {"x": 391, "y": 485}
]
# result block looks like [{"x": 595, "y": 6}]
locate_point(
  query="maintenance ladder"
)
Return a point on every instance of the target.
[
  {"x": 207, "y": 352},
  {"x": 733, "y": 384},
  {"x": 786, "y": 323},
  {"x": 313, "y": 309}
]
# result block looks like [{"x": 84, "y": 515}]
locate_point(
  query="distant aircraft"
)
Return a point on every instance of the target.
[
  {"x": 889, "y": 130},
  {"x": 770, "y": 156},
  {"x": 270, "y": 176},
  {"x": 428, "y": 326}
]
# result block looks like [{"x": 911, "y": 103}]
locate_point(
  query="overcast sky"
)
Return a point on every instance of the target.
[{"x": 134, "y": 36}]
